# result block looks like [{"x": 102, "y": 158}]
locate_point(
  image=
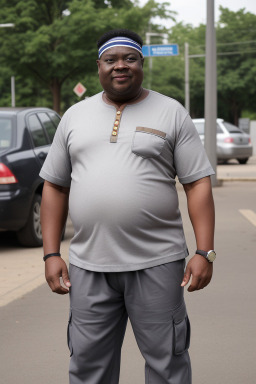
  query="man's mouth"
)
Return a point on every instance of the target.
[{"x": 121, "y": 77}]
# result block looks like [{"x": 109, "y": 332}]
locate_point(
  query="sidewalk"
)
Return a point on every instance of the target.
[
  {"x": 237, "y": 172},
  {"x": 22, "y": 269}
]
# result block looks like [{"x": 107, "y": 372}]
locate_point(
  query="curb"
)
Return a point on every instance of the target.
[{"x": 224, "y": 179}]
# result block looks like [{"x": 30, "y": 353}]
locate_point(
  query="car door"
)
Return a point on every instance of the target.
[
  {"x": 55, "y": 118},
  {"x": 50, "y": 122},
  {"x": 39, "y": 137}
]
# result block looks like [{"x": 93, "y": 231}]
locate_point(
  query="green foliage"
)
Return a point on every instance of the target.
[
  {"x": 168, "y": 75},
  {"x": 50, "y": 45},
  {"x": 53, "y": 46},
  {"x": 236, "y": 64},
  {"x": 249, "y": 114}
]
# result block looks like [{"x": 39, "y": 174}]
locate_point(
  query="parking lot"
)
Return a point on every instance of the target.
[{"x": 33, "y": 320}]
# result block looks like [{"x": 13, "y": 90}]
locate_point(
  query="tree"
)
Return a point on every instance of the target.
[
  {"x": 55, "y": 40},
  {"x": 169, "y": 72},
  {"x": 236, "y": 65},
  {"x": 236, "y": 35}
]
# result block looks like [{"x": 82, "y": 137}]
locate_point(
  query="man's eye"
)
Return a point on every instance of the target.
[
  {"x": 131, "y": 59},
  {"x": 109, "y": 60}
]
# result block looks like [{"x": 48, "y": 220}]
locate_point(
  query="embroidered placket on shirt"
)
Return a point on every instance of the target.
[{"x": 115, "y": 130}]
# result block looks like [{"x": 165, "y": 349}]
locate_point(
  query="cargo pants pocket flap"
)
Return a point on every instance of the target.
[
  {"x": 68, "y": 334},
  {"x": 181, "y": 336}
]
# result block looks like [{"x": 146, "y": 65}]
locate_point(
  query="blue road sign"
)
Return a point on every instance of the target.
[{"x": 160, "y": 50}]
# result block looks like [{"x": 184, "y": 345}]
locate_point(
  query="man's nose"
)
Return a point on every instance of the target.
[{"x": 120, "y": 64}]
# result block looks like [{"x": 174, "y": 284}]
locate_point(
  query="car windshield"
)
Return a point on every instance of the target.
[
  {"x": 200, "y": 127},
  {"x": 231, "y": 128},
  {"x": 5, "y": 133}
]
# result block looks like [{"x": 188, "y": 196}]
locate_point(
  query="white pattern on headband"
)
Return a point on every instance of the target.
[{"x": 120, "y": 42}]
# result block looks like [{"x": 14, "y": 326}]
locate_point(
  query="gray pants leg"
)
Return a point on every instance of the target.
[
  {"x": 160, "y": 323},
  {"x": 96, "y": 328},
  {"x": 154, "y": 302}
]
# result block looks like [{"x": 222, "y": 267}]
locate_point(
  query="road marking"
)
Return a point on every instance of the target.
[{"x": 249, "y": 215}]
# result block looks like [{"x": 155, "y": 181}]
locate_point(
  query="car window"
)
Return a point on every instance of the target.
[
  {"x": 219, "y": 129},
  {"x": 200, "y": 128},
  {"x": 37, "y": 131},
  {"x": 231, "y": 128},
  {"x": 48, "y": 125},
  {"x": 55, "y": 118},
  {"x": 5, "y": 133}
]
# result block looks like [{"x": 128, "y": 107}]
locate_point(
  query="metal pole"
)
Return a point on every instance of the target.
[
  {"x": 211, "y": 90},
  {"x": 150, "y": 59},
  {"x": 187, "y": 99},
  {"x": 150, "y": 65},
  {"x": 7, "y": 25},
  {"x": 13, "y": 90},
  {"x": 148, "y": 34}
]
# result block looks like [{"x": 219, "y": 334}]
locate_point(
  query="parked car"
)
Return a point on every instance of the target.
[
  {"x": 25, "y": 138},
  {"x": 232, "y": 142}
]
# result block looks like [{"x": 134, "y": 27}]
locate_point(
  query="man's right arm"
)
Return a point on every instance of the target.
[{"x": 54, "y": 210}]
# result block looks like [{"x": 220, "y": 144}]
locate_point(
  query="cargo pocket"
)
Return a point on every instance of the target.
[
  {"x": 181, "y": 331},
  {"x": 148, "y": 142},
  {"x": 69, "y": 333}
]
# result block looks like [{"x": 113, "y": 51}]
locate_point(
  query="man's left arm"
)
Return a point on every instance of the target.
[{"x": 202, "y": 216}]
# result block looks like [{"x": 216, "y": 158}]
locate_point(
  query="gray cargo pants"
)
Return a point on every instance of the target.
[{"x": 100, "y": 304}]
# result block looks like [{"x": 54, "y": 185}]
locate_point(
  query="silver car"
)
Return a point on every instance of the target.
[{"x": 232, "y": 142}]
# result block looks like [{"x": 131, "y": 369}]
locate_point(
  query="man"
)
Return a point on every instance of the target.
[{"x": 115, "y": 158}]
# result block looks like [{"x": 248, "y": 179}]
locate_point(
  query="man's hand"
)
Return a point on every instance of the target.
[
  {"x": 201, "y": 271},
  {"x": 55, "y": 268}
]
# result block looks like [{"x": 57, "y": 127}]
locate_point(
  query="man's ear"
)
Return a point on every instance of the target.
[
  {"x": 98, "y": 64},
  {"x": 142, "y": 61}
]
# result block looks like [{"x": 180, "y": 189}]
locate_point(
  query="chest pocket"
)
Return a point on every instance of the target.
[{"x": 148, "y": 142}]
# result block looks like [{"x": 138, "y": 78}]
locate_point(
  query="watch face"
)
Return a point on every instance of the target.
[{"x": 211, "y": 256}]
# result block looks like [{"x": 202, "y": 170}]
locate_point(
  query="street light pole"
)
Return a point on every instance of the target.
[
  {"x": 187, "y": 101},
  {"x": 150, "y": 62},
  {"x": 148, "y": 35},
  {"x": 13, "y": 91},
  {"x": 211, "y": 90}
]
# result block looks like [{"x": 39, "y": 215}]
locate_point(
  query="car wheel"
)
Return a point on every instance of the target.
[
  {"x": 243, "y": 161},
  {"x": 31, "y": 234}
]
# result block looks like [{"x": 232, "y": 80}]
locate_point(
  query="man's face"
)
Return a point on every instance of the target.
[{"x": 121, "y": 73}]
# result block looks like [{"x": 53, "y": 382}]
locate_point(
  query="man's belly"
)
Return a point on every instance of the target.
[{"x": 122, "y": 199}]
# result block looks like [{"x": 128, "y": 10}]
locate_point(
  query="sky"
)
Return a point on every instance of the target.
[{"x": 194, "y": 11}]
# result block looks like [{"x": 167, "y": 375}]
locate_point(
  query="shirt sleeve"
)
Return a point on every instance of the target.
[
  {"x": 190, "y": 159},
  {"x": 57, "y": 166}
]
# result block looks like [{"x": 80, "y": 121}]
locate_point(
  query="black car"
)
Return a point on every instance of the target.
[{"x": 25, "y": 138}]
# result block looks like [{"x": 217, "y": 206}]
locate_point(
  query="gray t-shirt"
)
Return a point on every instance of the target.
[{"x": 121, "y": 168}]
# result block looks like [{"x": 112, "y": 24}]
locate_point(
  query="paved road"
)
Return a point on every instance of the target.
[{"x": 223, "y": 350}]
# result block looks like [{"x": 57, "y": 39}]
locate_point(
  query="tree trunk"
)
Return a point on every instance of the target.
[
  {"x": 236, "y": 112},
  {"x": 56, "y": 94}
]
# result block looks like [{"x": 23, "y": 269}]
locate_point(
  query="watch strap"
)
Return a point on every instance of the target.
[
  {"x": 202, "y": 253},
  {"x": 50, "y": 255}
]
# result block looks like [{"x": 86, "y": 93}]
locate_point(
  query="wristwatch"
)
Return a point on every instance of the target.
[{"x": 210, "y": 255}]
